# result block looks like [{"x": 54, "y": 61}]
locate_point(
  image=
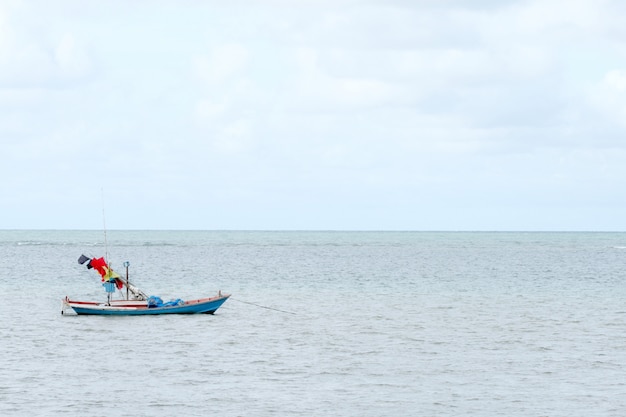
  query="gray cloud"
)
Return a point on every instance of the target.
[{"x": 360, "y": 106}]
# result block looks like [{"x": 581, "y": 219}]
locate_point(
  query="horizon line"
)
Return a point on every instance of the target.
[{"x": 319, "y": 230}]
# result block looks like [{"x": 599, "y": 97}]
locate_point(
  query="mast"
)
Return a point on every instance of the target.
[
  {"x": 104, "y": 228},
  {"x": 127, "y": 264}
]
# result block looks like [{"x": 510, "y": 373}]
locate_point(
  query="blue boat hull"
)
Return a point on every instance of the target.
[{"x": 202, "y": 306}]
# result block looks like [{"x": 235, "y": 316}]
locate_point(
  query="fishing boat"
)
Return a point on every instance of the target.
[{"x": 135, "y": 302}]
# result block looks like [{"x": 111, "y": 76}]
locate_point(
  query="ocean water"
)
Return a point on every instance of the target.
[{"x": 320, "y": 323}]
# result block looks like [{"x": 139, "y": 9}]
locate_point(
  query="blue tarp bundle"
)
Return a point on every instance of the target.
[
  {"x": 176, "y": 302},
  {"x": 154, "y": 301},
  {"x": 109, "y": 286}
]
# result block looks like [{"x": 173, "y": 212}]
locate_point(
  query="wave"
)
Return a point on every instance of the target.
[{"x": 44, "y": 243}]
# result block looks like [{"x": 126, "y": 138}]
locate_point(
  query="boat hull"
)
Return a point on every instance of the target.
[{"x": 134, "y": 308}]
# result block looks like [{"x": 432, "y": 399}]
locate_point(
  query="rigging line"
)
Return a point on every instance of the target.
[{"x": 259, "y": 305}]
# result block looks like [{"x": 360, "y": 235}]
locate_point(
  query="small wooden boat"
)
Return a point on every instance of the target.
[
  {"x": 141, "y": 307},
  {"x": 136, "y": 302}
]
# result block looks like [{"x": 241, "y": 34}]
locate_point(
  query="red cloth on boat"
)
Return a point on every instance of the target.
[
  {"x": 107, "y": 274},
  {"x": 100, "y": 265}
]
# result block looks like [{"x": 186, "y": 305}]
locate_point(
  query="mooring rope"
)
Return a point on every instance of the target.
[{"x": 259, "y": 305}]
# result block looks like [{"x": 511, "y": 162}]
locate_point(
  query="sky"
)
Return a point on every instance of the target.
[{"x": 313, "y": 115}]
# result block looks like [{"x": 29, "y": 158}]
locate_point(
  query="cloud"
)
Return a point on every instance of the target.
[
  {"x": 314, "y": 88},
  {"x": 70, "y": 57},
  {"x": 221, "y": 63},
  {"x": 344, "y": 104},
  {"x": 616, "y": 80},
  {"x": 30, "y": 58},
  {"x": 608, "y": 97}
]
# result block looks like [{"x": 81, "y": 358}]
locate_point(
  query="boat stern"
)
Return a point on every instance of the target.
[{"x": 66, "y": 308}]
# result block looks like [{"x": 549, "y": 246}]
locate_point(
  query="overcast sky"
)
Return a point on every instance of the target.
[{"x": 342, "y": 114}]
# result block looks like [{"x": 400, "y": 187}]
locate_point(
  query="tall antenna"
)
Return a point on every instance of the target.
[{"x": 104, "y": 227}]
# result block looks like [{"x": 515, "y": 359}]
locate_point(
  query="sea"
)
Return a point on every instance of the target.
[{"x": 319, "y": 324}]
